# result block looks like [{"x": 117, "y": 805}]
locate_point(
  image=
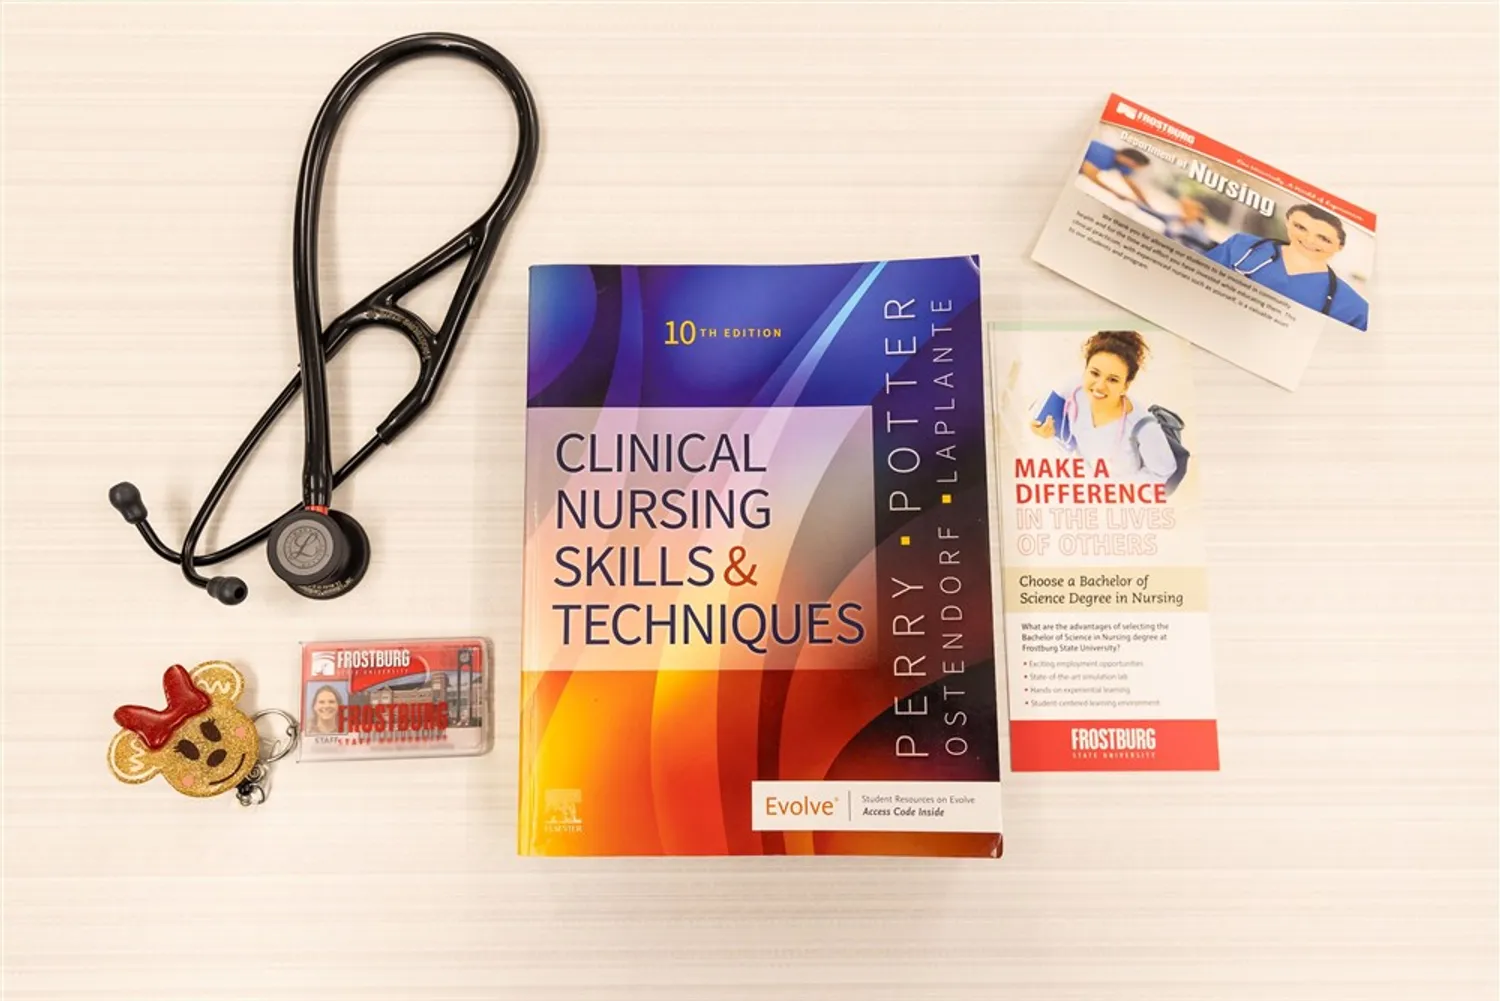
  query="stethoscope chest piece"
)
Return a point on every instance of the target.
[{"x": 321, "y": 555}]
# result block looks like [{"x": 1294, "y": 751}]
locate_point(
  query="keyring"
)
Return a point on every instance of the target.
[{"x": 292, "y": 732}]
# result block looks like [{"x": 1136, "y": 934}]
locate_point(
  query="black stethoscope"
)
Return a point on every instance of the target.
[{"x": 323, "y": 553}]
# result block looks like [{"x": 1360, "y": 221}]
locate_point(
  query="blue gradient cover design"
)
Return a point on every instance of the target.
[{"x": 597, "y": 331}]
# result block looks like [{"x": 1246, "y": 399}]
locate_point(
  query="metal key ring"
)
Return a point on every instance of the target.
[{"x": 277, "y": 751}]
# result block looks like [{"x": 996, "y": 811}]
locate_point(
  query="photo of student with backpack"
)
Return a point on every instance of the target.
[{"x": 1097, "y": 419}]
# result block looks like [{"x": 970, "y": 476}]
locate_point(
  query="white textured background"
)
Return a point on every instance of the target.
[{"x": 1347, "y": 850}]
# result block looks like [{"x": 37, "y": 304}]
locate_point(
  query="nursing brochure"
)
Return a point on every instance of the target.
[
  {"x": 1105, "y": 588},
  {"x": 1237, "y": 256}
]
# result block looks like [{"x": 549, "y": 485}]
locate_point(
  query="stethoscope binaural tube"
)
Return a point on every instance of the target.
[
  {"x": 319, "y": 552},
  {"x": 1333, "y": 280}
]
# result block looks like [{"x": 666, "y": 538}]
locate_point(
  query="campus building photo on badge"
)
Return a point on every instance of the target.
[{"x": 1263, "y": 232}]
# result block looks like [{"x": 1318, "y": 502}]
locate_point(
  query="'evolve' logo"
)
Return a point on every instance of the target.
[{"x": 806, "y": 806}]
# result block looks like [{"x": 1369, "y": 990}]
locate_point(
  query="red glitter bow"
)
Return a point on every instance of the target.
[{"x": 156, "y": 726}]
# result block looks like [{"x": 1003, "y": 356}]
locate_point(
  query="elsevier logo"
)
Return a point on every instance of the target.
[
  {"x": 1121, "y": 108},
  {"x": 562, "y": 811}
]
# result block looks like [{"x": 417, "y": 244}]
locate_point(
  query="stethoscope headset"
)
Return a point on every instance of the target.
[
  {"x": 321, "y": 552},
  {"x": 1276, "y": 245}
]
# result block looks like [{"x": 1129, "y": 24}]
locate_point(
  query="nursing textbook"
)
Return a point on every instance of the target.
[{"x": 757, "y": 597}]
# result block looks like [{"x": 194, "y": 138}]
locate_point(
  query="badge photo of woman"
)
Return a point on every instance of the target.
[
  {"x": 325, "y": 711},
  {"x": 1096, "y": 418},
  {"x": 1298, "y": 267}
]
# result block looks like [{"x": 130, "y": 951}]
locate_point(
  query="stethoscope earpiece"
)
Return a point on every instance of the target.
[
  {"x": 227, "y": 590},
  {"x": 126, "y": 499}
]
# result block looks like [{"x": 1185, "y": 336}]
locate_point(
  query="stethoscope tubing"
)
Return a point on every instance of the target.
[
  {"x": 1273, "y": 255},
  {"x": 317, "y": 343},
  {"x": 480, "y": 238}
]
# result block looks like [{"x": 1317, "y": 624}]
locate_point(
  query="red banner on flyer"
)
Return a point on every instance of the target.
[
  {"x": 1115, "y": 745},
  {"x": 1130, "y": 115}
]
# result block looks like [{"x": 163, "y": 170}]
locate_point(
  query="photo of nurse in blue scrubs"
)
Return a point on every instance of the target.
[
  {"x": 1102, "y": 159},
  {"x": 1298, "y": 266}
]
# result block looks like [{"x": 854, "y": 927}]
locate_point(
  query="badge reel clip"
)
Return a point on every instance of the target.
[{"x": 202, "y": 743}]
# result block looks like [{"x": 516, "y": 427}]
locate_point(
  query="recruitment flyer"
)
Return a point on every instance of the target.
[
  {"x": 1105, "y": 589},
  {"x": 1237, "y": 256}
]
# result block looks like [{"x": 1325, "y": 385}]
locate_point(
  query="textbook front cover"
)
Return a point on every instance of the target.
[{"x": 758, "y": 614}]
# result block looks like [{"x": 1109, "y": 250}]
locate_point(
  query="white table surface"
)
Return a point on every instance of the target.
[{"x": 1348, "y": 848}]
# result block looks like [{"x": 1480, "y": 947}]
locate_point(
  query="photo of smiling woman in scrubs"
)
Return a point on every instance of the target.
[
  {"x": 1297, "y": 267},
  {"x": 1095, "y": 418}
]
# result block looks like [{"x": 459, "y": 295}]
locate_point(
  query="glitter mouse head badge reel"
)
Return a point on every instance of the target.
[{"x": 202, "y": 743}]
